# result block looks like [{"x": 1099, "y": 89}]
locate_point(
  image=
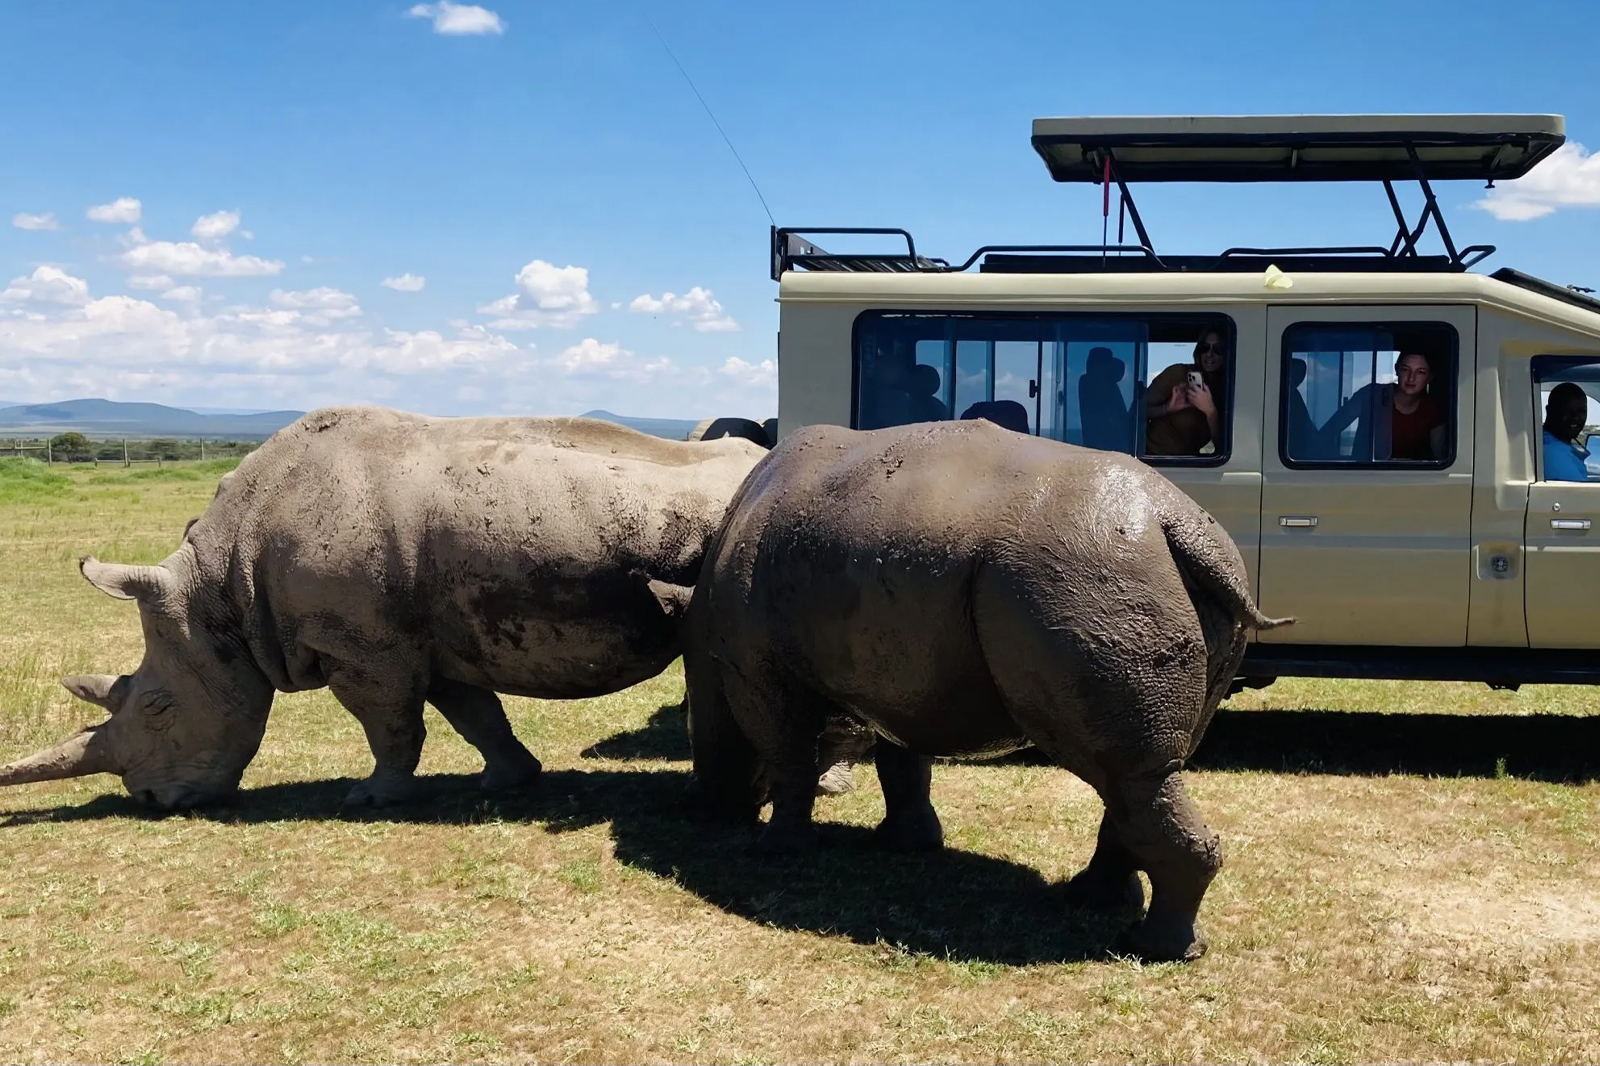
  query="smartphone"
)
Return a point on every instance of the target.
[{"x": 1195, "y": 378}]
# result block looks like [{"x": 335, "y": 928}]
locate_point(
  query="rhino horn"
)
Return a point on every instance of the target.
[
  {"x": 88, "y": 752},
  {"x": 102, "y": 690},
  {"x": 125, "y": 582}
]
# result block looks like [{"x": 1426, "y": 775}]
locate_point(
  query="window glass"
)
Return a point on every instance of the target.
[
  {"x": 1075, "y": 378},
  {"x": 1569, "y": 415},
  {"x": 1365, "y": 395}
]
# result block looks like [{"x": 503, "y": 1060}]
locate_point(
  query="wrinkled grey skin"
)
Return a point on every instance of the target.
[
  {"x": 965, "y": 590},
  {"x": 399, "y": 559}
]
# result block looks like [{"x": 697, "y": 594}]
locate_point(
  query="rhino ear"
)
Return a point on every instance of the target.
[
  {"x": 125, "y": 582},
  {"x": 674, "y": 599},
  {"x": 102, "y": 690}
]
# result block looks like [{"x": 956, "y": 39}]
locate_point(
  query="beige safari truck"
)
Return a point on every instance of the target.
[{"x": 1414, "y": 527}]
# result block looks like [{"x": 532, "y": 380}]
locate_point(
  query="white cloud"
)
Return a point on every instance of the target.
[
  {"x": 183, "y": 294},
  {"x": 123, "y": 211},
  {"x": 150, "y": 281},
  {"x": 762, "y": 375},
  {"x": 318, "y": 307},
  {"x": 458, "y": 19},
  {"x": 697, "y": 306},
  {"x": 405, "y": 283},
  {"x": 215, "y": 226},
  {"x": 187, "y": 258},
  {"x": 1570, "y": 177},
  {"x": 588, "y": 354},
  {"x": 322, "y": 298},
  {"x": 23, "y": 220},
  {"x": 551, "y": 296},
  {"x": 47, "y": 285}
]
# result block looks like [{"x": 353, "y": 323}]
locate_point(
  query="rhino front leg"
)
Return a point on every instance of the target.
[
  {"x": 477, "y": 714},
  {"x": 392, "y": 721}
]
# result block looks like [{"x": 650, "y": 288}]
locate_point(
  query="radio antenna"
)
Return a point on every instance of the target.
[{"x": 713, "y": 118}]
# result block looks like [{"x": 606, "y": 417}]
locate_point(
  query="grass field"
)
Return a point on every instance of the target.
[{"x": 1411, "y": 874}]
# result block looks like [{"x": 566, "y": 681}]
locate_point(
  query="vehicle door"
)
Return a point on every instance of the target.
[
  {"x": 1362, "y": 545},
  {"x": 1561, "y": 575}
]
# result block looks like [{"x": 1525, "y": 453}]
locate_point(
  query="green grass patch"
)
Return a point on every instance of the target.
[{"x": 28, "y": 480}]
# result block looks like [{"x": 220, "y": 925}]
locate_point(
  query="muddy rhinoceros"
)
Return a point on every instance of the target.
[
  {"x": 966, "y": 590},
  {"x": 398, "y": 559}
]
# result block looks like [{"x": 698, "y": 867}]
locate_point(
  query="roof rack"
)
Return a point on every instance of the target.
[
  {"x": 1238, "y": 148},
  {"x": 1576, "y": 295}
]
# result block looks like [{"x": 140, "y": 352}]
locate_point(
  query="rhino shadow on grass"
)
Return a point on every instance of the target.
[
  {"x": 950, "y": 905},
  {"x": 1536, "y": 747}
]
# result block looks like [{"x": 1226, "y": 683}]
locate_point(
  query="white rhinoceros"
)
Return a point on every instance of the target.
[{"x": 399, "y": 559}]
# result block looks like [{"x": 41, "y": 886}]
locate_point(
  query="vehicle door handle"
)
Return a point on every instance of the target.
[
  {"x": 1569, "y": 523},
  {"x": 1298, "y": 521}
]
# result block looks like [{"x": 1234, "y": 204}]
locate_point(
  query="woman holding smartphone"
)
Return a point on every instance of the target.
[{"x": 1182, "y": 403}]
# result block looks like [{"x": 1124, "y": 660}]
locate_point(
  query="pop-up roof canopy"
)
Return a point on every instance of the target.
[
  {"x": 1382, "y": 149},
  {"x": 1297, "y": 147}
]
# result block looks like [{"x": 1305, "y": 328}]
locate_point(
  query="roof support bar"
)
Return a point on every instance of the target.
[
  {"x": 1404, "y": 235},
  {"x": 1432, "y": 205},
  {"x": 1127, "y": 200}
]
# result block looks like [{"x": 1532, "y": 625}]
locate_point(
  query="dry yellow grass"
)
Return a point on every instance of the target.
[{"x": 1397, "y": 887}]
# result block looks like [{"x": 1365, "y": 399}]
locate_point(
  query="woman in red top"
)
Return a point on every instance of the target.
[
  {"x": 1416, "y": 429},
  {"x": 1416, "y": 419}
]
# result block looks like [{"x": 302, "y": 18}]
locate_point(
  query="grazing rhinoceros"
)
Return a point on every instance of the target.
[
  {"x": 965, "y": 590},
  {"x": 397, "y": 559}
]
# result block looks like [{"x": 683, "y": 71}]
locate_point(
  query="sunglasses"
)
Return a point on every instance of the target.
[{"x": 1203, "y": 348}]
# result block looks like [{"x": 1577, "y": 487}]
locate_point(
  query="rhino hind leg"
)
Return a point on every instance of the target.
[
  {"x": 725, "y": 783},
  {"x": 393, "y": 724},
  {"x": 784, "y": 724},
  {"x": 478, "y": 715},
  {"x": 909, "y": 822},
  {"x": 1110, "y": 883},
  {"x": 1162, "y": 829}
]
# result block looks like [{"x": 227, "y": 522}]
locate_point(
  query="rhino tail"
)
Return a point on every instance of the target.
[{"x": 1210, "y": 560}]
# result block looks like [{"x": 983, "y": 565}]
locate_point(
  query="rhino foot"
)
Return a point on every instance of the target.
[
  {"x": 837, "y": 780},
  {"x": 1091, "y": 890},
  {"x": 384, "y": 788},
  {"x": 786, "y": 840},
  {"x": 1162, "y": 941},
  {"x": 509, "y": 776},
  {"x": 918, "y": 830}
]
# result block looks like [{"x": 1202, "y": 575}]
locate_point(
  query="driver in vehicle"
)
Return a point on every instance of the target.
[
  {"x": 1565, "y": 413},
  {"x": 1183, "y": 413}
]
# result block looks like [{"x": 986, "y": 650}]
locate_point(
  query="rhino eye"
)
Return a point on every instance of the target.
[{"x": 155, "y": 703}]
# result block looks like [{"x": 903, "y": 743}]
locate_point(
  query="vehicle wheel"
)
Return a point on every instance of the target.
[
  {"x": 749, "y": 429},
  {"x": 1239, "y": 684}
]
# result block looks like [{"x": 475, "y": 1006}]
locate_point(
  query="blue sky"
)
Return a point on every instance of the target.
[{"x": 558, "y": 157}]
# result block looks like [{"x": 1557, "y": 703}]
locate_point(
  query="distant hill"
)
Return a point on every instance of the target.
[
  {"x": 671, "y": 428},
  {"x": 108, "y": 418}
]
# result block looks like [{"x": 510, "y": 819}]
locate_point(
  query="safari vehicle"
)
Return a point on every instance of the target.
[{"x": 1463, "y": 563}]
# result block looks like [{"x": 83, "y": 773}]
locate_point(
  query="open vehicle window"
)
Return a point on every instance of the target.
[
  {"x": 1568, "y": 391},
  {"x": 1138, "y": 384},
  {"x": 1380, "y": 395}
]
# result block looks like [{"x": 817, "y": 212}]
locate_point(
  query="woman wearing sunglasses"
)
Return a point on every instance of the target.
[{"x": 1183, "y": 403}]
